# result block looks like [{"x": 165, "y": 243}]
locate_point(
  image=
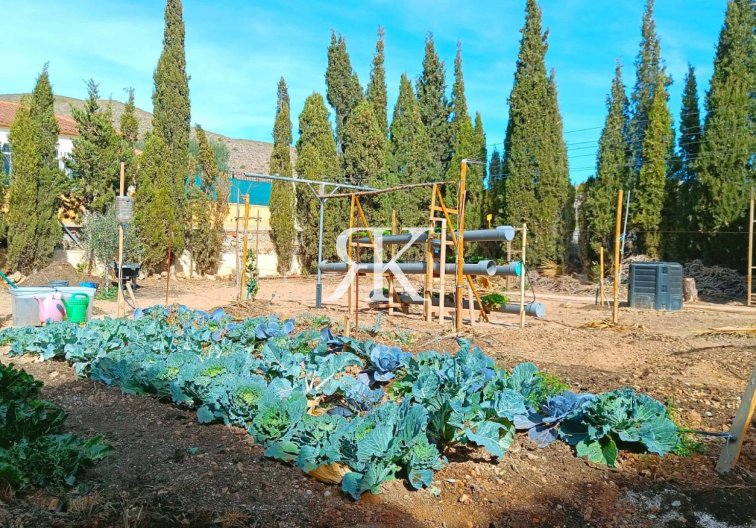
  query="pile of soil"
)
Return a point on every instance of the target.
[{"x": 59, "y": 271}]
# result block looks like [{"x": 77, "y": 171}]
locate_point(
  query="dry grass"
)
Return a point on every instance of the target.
[
  {"x": 549, "y": 268},
  {"x": 730, "y": 330},
  {"x": 608, "y": 323}
]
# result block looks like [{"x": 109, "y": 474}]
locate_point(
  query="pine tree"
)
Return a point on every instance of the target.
[
  {"x": 649, "y": 67},
  {"x": 725, "y": 164},
  {"x": 171, "y": 110},
  {"x": 207, "y": 208},
  {"x": 342, "y": 86},
  {"x": 412, "y": 161},
  {"x": 376, "y": 90},
  {"x": 155, "y": 216},
  {"x": 534, "y": 167},
  {"x": 36, "y": 181},
  {"x": 434, "y": 107},
  {"x": 97, "y": 153},
  {"x": 317, "y": 160},
  {"x": 129, "y": 124},
  {"x": 613, "y": 169},
  {"x": 683, "y": 188},
  {"x": 282, "y": 193},
  {"x": 652, "y": 178}
]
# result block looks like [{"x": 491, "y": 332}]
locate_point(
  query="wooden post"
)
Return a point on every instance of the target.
[
  {"x": 471, "y": 305},
  {"x": 523, "y": 274},
  {"x": 347, "y": 319},
  {"x": 459, "y": 286},
  {"x": 731, "y": 451},
  {"x": 168, "y": 267},
  {"x": 243, "y": 281},
  {"x": 428, "y": 291},
  {"x": 602, "y": 299},
  {"x": 509, "y": 259},
  {"x": 751, "y": 226},
  {"x": 390, "y": 277},
  {"x": 617, "y": 263},
  {"x": 238, "y": 249},
  {"x": 121, "y": 310},
  {"x": 442, "y": 275}
]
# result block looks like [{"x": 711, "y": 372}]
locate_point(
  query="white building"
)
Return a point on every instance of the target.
[{"x": 66, "y": 124}]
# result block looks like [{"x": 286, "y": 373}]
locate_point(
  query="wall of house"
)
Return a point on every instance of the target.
[{"x": 65, "y": 145}]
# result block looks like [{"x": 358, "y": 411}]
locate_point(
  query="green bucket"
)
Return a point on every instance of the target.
[{"x": 76, "y": 307}]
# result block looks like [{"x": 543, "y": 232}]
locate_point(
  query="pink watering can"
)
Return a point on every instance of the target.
[{"x": 51, "y": 307}]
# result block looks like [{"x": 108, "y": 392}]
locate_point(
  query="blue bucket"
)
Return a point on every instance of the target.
[{"x": 88, "y": 285}]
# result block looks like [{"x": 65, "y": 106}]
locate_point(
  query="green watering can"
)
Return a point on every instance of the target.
[{"x": 76, "y": 307}]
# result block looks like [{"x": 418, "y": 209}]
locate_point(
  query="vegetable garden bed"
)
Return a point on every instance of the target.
[{"x": 363, "y": 410}]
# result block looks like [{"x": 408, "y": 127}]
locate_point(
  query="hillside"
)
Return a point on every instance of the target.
[{"x": 245, "y": 155}]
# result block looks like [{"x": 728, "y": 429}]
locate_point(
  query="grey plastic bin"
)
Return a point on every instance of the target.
[
  {"x": 25, "y": 309},
  {"x": 655, "y": 286}
]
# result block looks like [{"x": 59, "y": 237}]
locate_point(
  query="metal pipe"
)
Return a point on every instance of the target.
[
  {"x": 533, "y": 309},
  {"x": 501, "y": 233},
  {"x": 513, "y": 269},
  {"x": 484, "y": 267}
]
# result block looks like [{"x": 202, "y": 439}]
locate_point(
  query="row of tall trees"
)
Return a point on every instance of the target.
[
  {"x": 424, "y": 141},
  {"x": 171, "y": 212},
  {"x": 689, "y": 199}
]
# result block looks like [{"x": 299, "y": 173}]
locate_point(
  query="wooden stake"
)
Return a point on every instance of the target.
[
  {"x": 602, "y": 299},
  {"x": 168, "y": 267},
  {"x": 442, "y": 275},
  {"x": 428, "y": 291},
  {"x": 617, "y": 263},
  {"x": 347, "y": 322},
  {"x": 523, "y": 274},
  {"x": 121, "y": 300},
  {"x": 242, "y": 283},
  {"x": 459, "y": 291},
  {"x": 751, "y": 226},
  {"x": 731, "y": 451}
]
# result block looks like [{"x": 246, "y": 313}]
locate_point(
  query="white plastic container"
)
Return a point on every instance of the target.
[{"x": 24, "y": 306}]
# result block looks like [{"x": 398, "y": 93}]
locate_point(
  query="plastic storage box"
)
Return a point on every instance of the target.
[
  {"x": 655, "y": 286},
  {"x": 25, "y": 308}
]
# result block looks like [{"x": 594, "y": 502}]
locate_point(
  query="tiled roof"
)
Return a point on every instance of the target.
[{"x": 8, "y": 112}]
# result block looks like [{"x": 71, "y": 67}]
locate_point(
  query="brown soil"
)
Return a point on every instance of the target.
[
  {"x": 59, "y": 271},
  {"x": 167, "y": 470}
]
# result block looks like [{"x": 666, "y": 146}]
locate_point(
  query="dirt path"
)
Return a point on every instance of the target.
[{"x": 167, "y": 470}]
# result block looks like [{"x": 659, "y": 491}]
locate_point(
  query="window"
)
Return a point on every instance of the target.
[{"x": 6, "y": 153}]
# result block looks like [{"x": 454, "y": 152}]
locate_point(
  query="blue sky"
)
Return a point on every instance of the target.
[{"x": 237, "y": 50}]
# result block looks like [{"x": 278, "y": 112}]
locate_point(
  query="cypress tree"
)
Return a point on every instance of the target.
[
  {"x": 555, "y": 194},
  {"x": 97, "y": 153},
  {"x": 465, "y": 145},
  {"x": 171, "y": 110},
  {"x": 535, "y": 171},
  {"x": 475, "y": 216},
  {"x": 129, "y": 124},
  {"x": 682, "y": 188},
  {"x": 434, "y": 107},
  {"x": 364, "y": 163},
  {"x": 376, "y": 90},
  {"x": 282, "y": 193},
  {"x": 613, "y": 169},
  {"x": 317, "y": 160},
  {"x": 411, "y": 157},
  {"x": 155, "y": 217},
  {"x": 649, "y": 67},
  {"x": 207, "y": 207},
  {"x": 36, "y": 181},
  {"x": 657, "y": 147},
  {"x": 343, "y": 88},
  {"x": 725, "y": 164},
  {"x": 495, "y": 191}
]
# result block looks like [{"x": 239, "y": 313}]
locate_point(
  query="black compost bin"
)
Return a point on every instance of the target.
[{"x": 655, "y": 286}]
